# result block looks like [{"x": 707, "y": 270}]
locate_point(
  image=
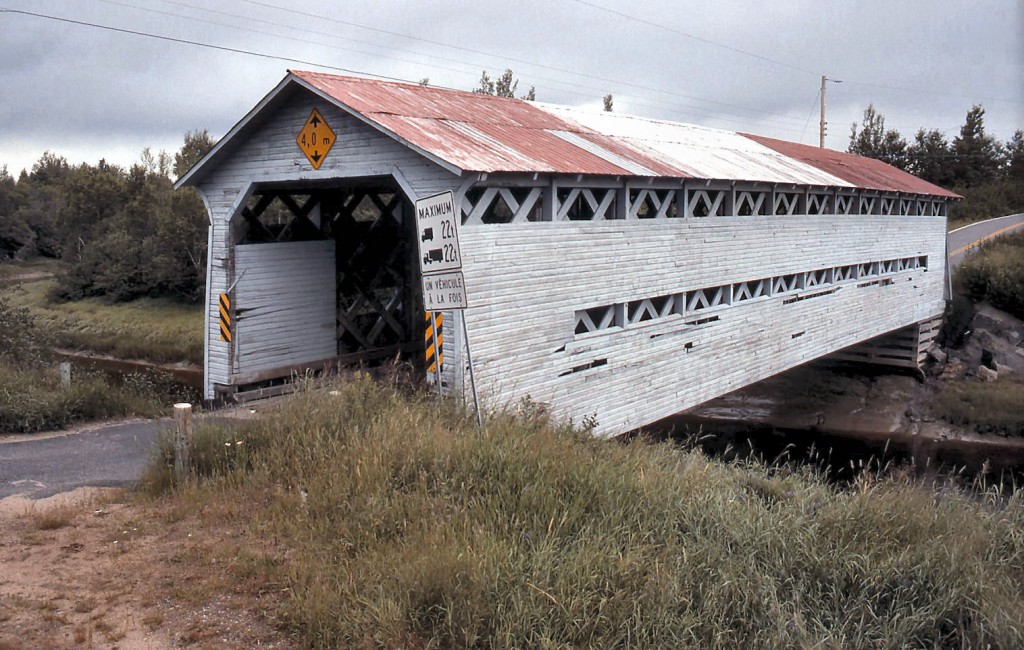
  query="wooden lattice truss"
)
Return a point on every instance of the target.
[
  {"x": 376, "y": 299},
  {"x": 583, "y": 201}
]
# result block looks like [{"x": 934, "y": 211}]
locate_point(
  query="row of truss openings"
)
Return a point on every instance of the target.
[
  {"x": 814, "y": 283},
  {"x": 492, "y": 204}
]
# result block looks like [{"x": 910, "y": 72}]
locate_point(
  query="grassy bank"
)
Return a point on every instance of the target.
[
  {"x": 160, "y": 331},
  {"x": 34, "y": 400},
  {"x": 32, "y": 397},
  {"x": 995, "y": 274},
  {"x": 985, "y": 407},
  {"x": 389, "y": 520}
]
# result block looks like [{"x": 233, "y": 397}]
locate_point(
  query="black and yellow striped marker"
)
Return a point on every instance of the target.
[
  {"x": 225, "y": 318},
  {"x": 435, "y": 325}
]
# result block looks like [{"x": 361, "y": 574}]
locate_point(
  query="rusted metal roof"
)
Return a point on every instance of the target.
[
  {"x": 470, "y": 132},
  {"x": 865, "y": 173}
]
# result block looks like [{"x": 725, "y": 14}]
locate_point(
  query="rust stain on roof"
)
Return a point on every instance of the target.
[
  {"x": 483, "y": 133},
  {"x": 865, "y": 173}
]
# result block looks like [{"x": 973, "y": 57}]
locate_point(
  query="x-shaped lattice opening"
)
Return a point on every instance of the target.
[
  {"x": 372, "y": 266},
  {"x": 279, "y": 216}
]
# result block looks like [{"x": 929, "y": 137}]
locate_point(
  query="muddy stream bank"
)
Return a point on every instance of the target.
[{"x": 844, "y": 417}]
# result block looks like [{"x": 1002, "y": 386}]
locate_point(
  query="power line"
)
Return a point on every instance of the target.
[
  {"x": 934, "y": 93},
  {"x": 777, "y": 120},
  {"x": 268, "y": 5},
  {"x": 777, "y": 62},
  {"x": 707, "y": 41},
  {"x": 186, "y": 41}
]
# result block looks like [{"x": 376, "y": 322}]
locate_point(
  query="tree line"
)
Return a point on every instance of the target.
[
  {"x": 120, "y": 233},
  {"x": 125, "y": 233},
  {"x": 988, "y": 173}
]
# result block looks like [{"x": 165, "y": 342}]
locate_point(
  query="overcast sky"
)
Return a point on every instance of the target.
[{"x": 87, "y": 93}]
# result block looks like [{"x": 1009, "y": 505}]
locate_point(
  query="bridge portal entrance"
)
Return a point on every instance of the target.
[{"x": 324, "y": 275}]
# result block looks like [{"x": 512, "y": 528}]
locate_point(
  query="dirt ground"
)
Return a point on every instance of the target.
[{"x": 98, "y": 568}]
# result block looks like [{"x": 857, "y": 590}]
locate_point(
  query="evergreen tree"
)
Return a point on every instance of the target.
[
  {"x": 197, "y": 144},
  {"x": 873, "y": 140},
  {"x": 977, "y": 156},
  {"x": 1015, "y": 157},
  {"x": 503, "y": 86},
  {"x": 506, "y": 85},
  {"x": 930, "y": 156}
]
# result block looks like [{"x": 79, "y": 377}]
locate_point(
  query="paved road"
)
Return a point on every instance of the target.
[
  {"x": 962, "y": 240},
  {"x": 116, "y": 454},
  {"x": 106, "y": 456}
]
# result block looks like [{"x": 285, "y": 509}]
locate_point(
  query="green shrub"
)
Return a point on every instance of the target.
[
  {"x": 33, "y": 399},
  {"x": 402, "y": 525},
  {"x": 995, "y": 274},
  {"x": 987, "y": 407},
  {"x": 22, "y": 341}
]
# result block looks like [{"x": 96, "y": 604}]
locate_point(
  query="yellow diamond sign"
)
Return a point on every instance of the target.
[{"x": 316, "y": 139}]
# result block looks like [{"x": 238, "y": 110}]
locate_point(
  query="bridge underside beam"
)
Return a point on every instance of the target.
[{"x": 906, "y": 347}]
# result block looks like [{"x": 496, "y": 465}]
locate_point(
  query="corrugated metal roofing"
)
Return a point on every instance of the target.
[
  {"x": 481, "y": 133},
  {"x": 865, "y": 173},
  {"x": 696, "y": 151}
]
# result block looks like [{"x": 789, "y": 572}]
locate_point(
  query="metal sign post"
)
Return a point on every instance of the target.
[
  {"x": 444, "y": 286},
  {"x": 472, "y": 378}
]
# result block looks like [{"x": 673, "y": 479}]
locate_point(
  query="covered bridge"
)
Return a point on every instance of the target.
[{"x": 617, "y": 268}]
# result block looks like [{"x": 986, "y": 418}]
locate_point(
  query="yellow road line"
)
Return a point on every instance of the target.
[{"x": 979, "y": 242}]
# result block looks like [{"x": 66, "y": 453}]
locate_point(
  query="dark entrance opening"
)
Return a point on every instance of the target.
[{"x": 378, "y": 310}]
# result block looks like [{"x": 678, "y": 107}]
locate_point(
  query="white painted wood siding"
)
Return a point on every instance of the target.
[
  {"x": 284, "y": 305},
  {"x": 267, "y": 153},
  {"x": 526, "y": 281}
]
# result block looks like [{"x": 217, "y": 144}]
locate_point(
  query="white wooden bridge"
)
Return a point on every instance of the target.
[{"x": 616, "y": 268}]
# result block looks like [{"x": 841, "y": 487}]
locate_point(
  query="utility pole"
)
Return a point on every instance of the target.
[{"x": 821, "y": 128}]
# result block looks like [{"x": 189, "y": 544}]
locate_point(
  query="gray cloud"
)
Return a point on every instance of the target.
[{"x": 88, "y": 93}]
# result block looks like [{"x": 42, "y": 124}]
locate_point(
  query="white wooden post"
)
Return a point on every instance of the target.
[
  {"x": 65, "y": 374},
  {"x": 182, "y": 439}
]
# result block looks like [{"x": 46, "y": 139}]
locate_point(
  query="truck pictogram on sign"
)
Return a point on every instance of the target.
[{"x": 437, "y": 222}]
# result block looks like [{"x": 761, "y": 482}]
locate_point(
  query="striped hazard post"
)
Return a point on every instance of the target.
[
  {"x": 225, "y": 318},
  {"x": 433, "y": 337}
]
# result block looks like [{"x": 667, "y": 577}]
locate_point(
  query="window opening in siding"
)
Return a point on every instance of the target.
[
  {"x": 787, "y": 203},
  {"x": 650, "y": 203},
  {"x": 512, "y": 204},
  {"x": 844, "y": 203},
  {"x": 819, "y": 203},
  {"x": 808, "y": 296},
  {"x": 597, "y": 318},
  {"x": 703, "y": 321},
  {"x": 596, "y": 363},
  {"x": 751, "y": 203},
  {"x": 867, "y": 205},
  {"x": 819, "y": 282},
  {"x": 495, "y": 205},
  {"x": 706, "y": 203},
  {"x": 278, "y": 216},
  {"x": 585, "y": 204}
]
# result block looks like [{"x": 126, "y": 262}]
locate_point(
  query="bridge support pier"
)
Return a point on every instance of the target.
[{"x": 906, "y": 347}]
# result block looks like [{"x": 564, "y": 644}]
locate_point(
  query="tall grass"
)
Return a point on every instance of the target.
[
  {"x": 32, "y": 397},
  {"x": 160, "y": 331},
  {"x": 987, "y": 407},
  {"x": 399, "y": 524},
  {"x": 996, "y": 274}
]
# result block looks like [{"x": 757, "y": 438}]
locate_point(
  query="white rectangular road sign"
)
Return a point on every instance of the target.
[
  {"x": 437, "y": 234},
  {"x": 444, "y": 291}
]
